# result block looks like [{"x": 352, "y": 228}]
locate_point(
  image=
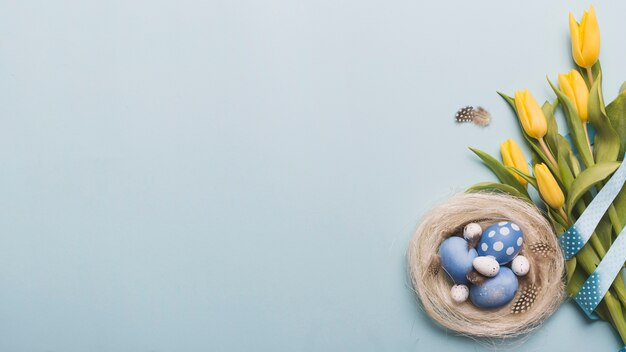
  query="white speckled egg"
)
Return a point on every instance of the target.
[
  {"x": 459, "y": 293},
  {"x": 503, "y": 241},
  {"x": 471, "y": 231},
  {"x": 487, "y": 266},
  {"x": 520, "y": 265}
]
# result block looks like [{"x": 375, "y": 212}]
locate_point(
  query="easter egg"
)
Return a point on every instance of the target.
[
  {"x": 520, "y": 265},
  {"x": 471, "y": 231},
  {"x": 502, "y": 241},
  {"x": 487, "y": 266},
  {"x": 456, "y": 258},
  {"x": 459, "y": 293},
  {"x": 496, "y": 291}
]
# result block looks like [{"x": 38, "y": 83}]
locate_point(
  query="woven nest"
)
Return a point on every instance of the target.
[{"x": 540, "y": 292}]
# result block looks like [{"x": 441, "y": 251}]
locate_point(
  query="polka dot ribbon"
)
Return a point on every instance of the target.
[
  {"x": 576, "y": 236},
  {"x": 597, "y": 285}
]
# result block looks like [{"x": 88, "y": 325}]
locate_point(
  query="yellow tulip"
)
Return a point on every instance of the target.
[
  {"x": 585, "y": 38},
  {"x": 512, "y": 156},
  {"x": 530, "y": 114},
  {"x": 573, "y": 85},
  {"x": 549, "y": 190}
]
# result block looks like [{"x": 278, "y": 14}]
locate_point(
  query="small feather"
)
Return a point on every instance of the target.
[
  {"x": 475, "y": 277},
  {"x": 435, "y": 265},
  {"x": 527, "y": 297},
  {"x": 482, "y": 117},
  {"x": 541, "y": 248}
]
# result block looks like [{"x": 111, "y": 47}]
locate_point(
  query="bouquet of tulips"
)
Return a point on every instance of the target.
[{"x": 568, "y": 172}]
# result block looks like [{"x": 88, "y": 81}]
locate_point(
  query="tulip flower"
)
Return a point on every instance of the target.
[
  {"x": 530, "y": 114},
  {"x": 585, "y": 40},
  {"x": 532, "y": 119},
  {"x": 574, "y": 87},
  {"x": 512, "y": 156},
  {"x": 549, "y": 189}
]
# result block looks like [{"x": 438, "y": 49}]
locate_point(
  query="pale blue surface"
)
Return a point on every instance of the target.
[{"x": 245, "y": 176}]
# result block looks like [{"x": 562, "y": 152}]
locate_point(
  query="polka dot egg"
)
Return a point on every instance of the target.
[{"x": 502, "y": 241}]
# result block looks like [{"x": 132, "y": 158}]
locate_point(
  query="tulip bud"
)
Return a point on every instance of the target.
[
  {"x": 512, "y": 156},
  {"x": 585, "y": 38},
  {"x": 549, "y": 189},
  {"x": 530, "y": 114},
  {"x": 574, "y": 87}
]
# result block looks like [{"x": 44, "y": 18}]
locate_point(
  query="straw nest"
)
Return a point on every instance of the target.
[{"x": 540, "y": 292}]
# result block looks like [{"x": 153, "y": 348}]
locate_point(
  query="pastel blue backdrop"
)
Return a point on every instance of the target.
[{"x": 245, "y": 175}]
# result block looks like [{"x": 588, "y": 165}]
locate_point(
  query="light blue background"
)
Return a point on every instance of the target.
[{"x": 245, "y": 175}]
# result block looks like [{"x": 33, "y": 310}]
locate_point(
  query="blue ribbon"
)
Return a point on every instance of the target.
[
  {"x": 576, "y": 236},
  {"x": 598, "y": 283}
]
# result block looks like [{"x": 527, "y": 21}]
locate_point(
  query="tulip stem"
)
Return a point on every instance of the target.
[
  {"x": 590, "y": 76},
  {"x": 587, "y": 136},
  {"x": 563, "y": 214},
  {"x": 549, "y": 155}
]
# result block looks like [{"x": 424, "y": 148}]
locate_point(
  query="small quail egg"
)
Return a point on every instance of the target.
[
  {"x": 472, "y": 231},
  {"x": 486, "y": 265},
  {"x": 520, "y": 265},
  {"x": 459, "y": 293}
]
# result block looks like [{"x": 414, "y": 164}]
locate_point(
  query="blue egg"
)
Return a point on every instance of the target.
[
  {"x": 456, "y": 258},
  {"x": 496, "y": 291},
  {"x": 502, "y": 241}
]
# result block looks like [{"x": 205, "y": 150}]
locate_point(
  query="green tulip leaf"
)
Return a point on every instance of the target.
[
  {"x": 604, "y": 231},
  {"x": 606, "y": 144},
  {"x": 574, "y": 164},
  {"x": 566, "y": 170},
  {"x": 530, "y": 179},
  {"x": 570, "y": 265},
  {"x": 535, "y": 158},
  {"x": 497, "y": 187},
  {"x": 558, "y": 227},
  {"x": 553, "y": 130},
  {"x": 622, "y": 89},
  {"x": 508, "y": 99},
  {"x": 555, "y": 217},
  {"x": 587, "y": 179},
  {"x": 620, "y": 206},
  {"x": 576, "y": 279},
  {"x": 602, "y": 311},
  {"x": 575, "y": 127},
  {"x": 533, "y": 143},
  {"x": 616, "y": 112},
  {"x": 567, "y": 176},
  {"x": 500, "y": 171}
]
